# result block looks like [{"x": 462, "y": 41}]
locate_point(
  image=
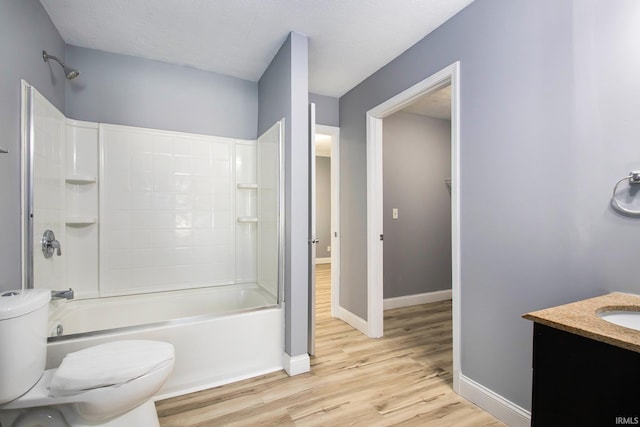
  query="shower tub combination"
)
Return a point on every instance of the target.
[
  {"x": 220, "y": 335},
  {"x": 165, "y": 236}
]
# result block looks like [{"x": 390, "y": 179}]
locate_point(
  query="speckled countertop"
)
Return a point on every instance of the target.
[{"x": 581, "y": 318}]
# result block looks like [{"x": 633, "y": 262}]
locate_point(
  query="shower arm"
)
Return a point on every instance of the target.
[{"x": 70, "y": 73}]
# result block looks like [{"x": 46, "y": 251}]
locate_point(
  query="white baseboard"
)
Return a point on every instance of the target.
[
  {"x": 409, "y": 300},
  {"x": 323, "y": 260},
  {"x": 356, "y": 321},
  {"x": 501, "y": 408},
  {"x": 296, "y": 365}
]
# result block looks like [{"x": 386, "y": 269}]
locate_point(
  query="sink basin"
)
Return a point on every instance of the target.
[{"x": 628, "y": 319}]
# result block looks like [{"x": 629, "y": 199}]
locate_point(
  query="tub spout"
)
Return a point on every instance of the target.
[{"x": 68, "y": 294}]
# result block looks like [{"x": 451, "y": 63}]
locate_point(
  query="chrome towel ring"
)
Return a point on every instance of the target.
[{"x": 634, "y": 179}]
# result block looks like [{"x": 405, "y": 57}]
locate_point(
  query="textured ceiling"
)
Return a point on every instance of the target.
[
  {"x": 348, "y": 39},
  {"x": 435, "y": 104}
]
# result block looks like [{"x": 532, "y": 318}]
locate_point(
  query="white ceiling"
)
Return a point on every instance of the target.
[
  {"x": 348, "y": 39},
  {"x": 323, "y": 145},
  {"x": 435, "y": 104}
]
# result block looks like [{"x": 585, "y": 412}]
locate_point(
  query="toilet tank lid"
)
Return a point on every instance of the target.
[{"x": 22, "y": 301}]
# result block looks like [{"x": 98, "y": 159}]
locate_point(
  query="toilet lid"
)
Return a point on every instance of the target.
[{"x": 109, "y": 364}]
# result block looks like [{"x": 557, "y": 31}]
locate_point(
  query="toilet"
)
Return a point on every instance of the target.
[{"x": 109, "y": 384}]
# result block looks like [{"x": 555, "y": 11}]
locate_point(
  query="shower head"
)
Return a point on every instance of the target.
[{"x": 69, "y": 73}]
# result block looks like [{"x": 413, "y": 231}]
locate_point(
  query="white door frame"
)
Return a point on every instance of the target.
[
  {"x": 375, "y": 310},
  {"x": 334, "y": 133},
  {"x": 313, "y": 237}
]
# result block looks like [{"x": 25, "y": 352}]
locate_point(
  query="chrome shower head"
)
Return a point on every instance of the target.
[{"x": 69, "y": 73}]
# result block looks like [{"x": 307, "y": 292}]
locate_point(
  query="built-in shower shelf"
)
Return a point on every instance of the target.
[
  {"x": 247, "y": 186},
  {"x": 244, "y": 219},
  {"x": 80, "y": 221},
  {"x": 80, "y": 179},
  {"x": 3, "y": 150}
]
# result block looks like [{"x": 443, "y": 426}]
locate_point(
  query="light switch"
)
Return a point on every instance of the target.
[
  {"x": 394, "y": 214},
  {"x": 328, "y": 248}
]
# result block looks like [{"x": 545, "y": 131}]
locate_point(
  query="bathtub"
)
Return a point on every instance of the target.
[{"x": 220, "y": 335}]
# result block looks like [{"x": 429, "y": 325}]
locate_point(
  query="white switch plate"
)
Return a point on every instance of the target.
[
  {"x": 328, "y": 248},
  {"x": 394, "y": 214}
]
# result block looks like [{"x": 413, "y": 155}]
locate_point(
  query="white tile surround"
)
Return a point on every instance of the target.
[
  {"x": 246, "y": 207},
  {"x": 81, "y": 243},
  {"x": 167, "y": 213},
  {"x": 141, "y": 210},
  {"x": 172, "y": 210}
]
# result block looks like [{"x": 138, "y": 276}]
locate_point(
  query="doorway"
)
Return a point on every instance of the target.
[
  {"x": 325, "y": 234},
  {"x": 328, "y": 146},
  {"x": 375, "y": 116},
  {"x": 417, "y": 202}
]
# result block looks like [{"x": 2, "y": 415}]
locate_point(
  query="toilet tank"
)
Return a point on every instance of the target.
[{"x": 23, "y": 340}]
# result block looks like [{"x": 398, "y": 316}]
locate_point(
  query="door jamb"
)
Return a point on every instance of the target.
[{"x": 375, "y": 309}]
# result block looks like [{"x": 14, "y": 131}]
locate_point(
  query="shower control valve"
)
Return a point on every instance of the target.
[{"x": 50, "y": 244}]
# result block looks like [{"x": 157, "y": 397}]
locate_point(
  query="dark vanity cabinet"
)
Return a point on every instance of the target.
[{"x": 578, "y": 381}]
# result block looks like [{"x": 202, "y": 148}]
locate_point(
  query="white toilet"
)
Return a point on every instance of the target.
[{"x": 106, "y": 385}]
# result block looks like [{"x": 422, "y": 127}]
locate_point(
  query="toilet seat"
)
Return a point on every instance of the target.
[{"x": 108, "y": 365}]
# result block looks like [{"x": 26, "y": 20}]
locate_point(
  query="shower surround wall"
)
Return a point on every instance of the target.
[
  {"x": 166, "y": 211},
  {"x": 176, "y": 210},
  {"x": 81, "y": 214}
]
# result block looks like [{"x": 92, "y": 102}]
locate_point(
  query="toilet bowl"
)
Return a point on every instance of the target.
[
  {"x": 102, "y": 383},
  {"x": 109, "y": 384}
]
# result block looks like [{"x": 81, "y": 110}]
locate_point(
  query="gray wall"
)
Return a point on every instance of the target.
[
  {"x": 323, "y": 206},
  {"x": 327, "y": 109},
  {"x": 283, "y": 92},
  {"x": 548, "y": 124},
  {"x": 417, "y": 245},
  {"x": 26, "y": 31},
  {"x": 131, "y": 91}
]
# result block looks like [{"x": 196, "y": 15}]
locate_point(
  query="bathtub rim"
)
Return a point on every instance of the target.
[{"x": 160, "y": 324}]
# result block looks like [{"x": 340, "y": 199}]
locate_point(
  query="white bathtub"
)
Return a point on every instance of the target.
[{"x": 220, "y": 335}]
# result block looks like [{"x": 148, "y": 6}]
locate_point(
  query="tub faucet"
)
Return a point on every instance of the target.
[{"x": 68, "y": 294}]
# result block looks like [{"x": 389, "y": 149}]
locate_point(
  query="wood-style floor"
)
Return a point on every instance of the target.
[{"x": 402, "y": 379}]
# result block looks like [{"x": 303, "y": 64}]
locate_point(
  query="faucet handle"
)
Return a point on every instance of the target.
[
  {"x": 50, "y": 244},
  {"x": 56, "y": 245}
]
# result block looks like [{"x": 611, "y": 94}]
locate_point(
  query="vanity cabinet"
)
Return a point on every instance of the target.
[{"x": 579, "y": 381}]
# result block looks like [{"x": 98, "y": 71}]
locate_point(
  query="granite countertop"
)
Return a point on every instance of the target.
[{"x": 581, "y": 318}]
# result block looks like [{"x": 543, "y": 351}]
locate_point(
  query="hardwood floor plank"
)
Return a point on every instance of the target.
[{"x": 404, "y": 378}]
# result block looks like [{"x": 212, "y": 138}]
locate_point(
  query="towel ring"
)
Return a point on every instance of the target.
[{"x": 634, "y": 179}]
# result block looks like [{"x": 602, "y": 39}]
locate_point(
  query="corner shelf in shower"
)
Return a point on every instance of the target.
[
  {"x": 246, "y": 219},
  {"x": 80, "y": 179},
  {"x": 80, "y": 221},
  {"x": 247, "y": 186},
  {"x": 3, "y": 150}
]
